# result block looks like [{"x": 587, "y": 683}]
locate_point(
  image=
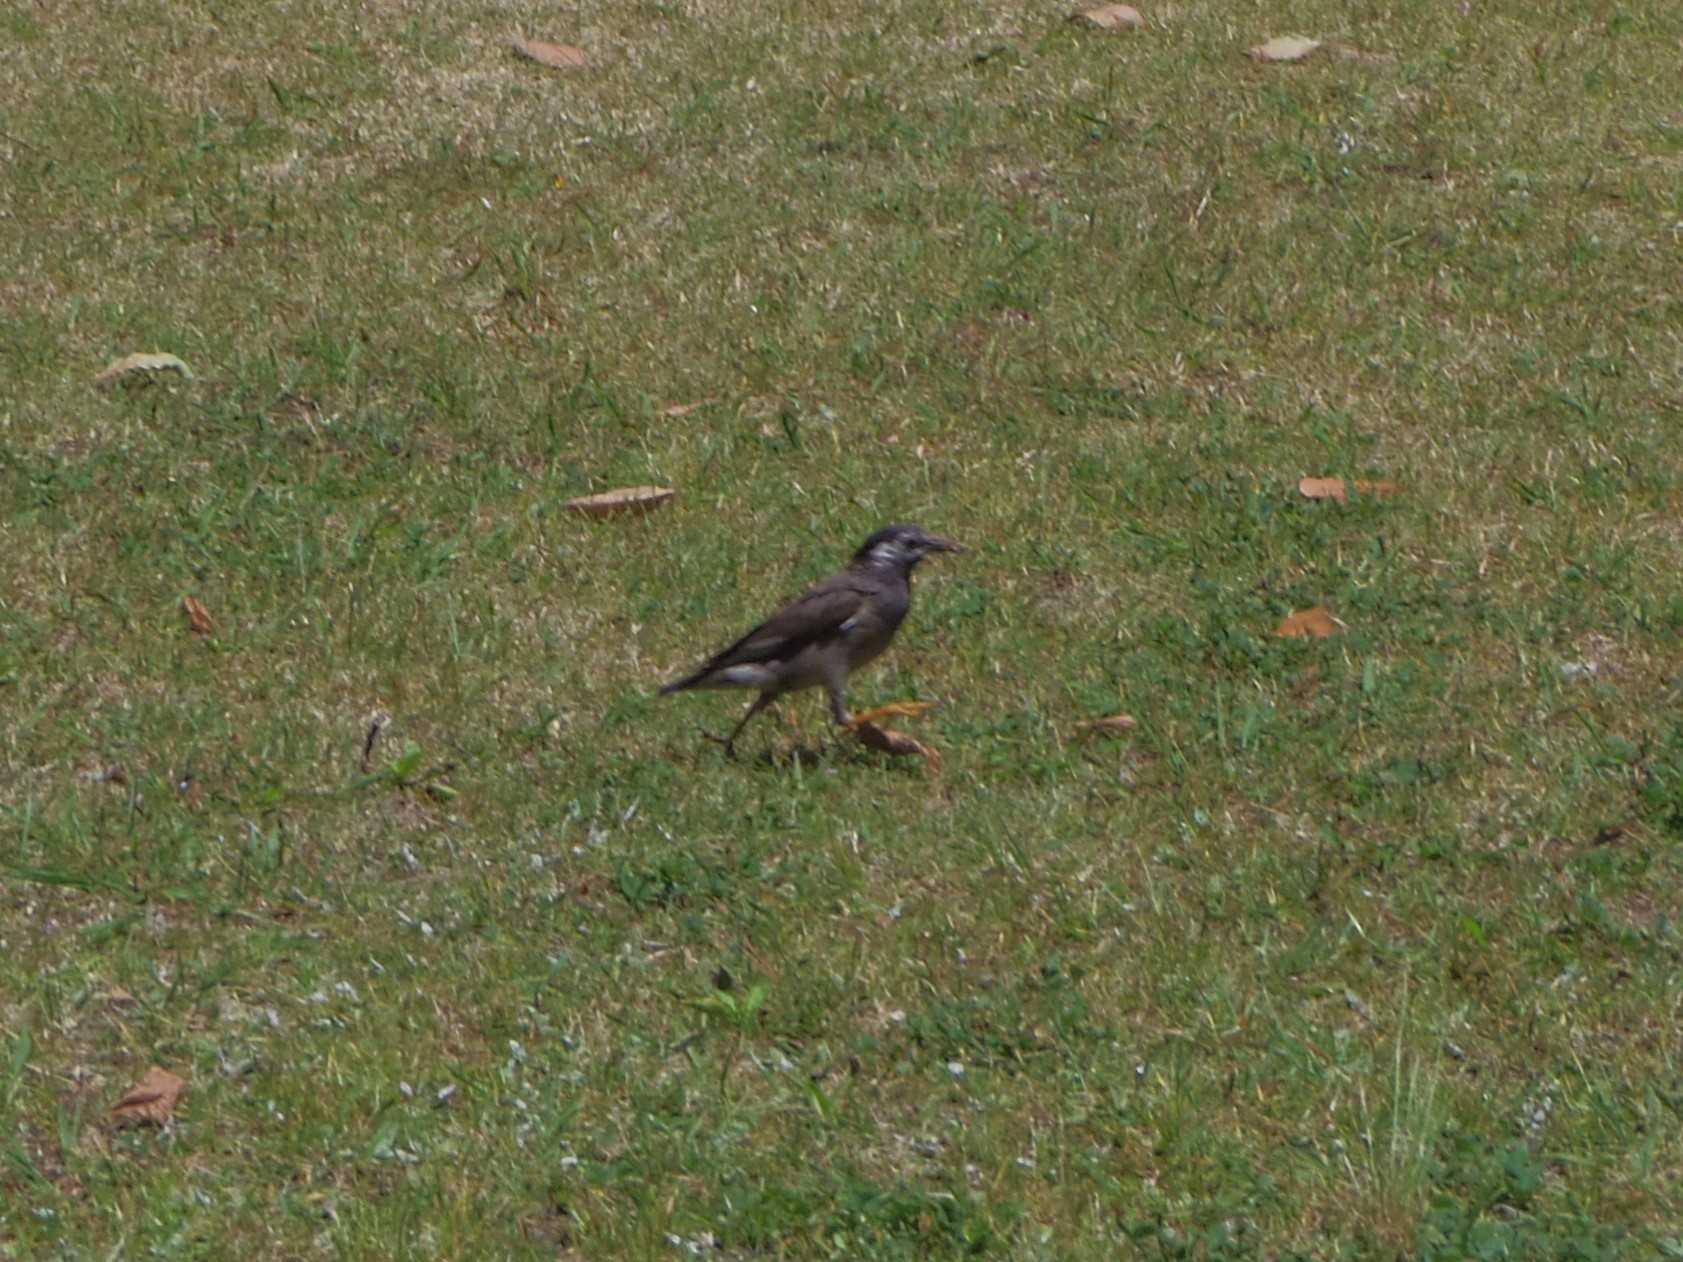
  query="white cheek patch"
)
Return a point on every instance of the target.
[{"x": 887, "y": 553}]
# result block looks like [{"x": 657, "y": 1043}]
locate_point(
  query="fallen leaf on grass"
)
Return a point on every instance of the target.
[
  {"x": 152, "y": 1099},
  {"x": 555, "y": 56},
  {"x": 892, "y": 742},
  {"x": 198, "y": 617},
  {"x": 627, "y": 499},
  {"x": 1338, "y": 489},
  {"x": 681, "y": 409},
  {"x": 1110, "y": 725},
  {"x": 894, "y": 710},
  {"x": 141, "y": 362},
  {"x": 1284, "y": 48},
  {"x": 1110, "y": 17},
  {"x": 1316, "y": 622}
]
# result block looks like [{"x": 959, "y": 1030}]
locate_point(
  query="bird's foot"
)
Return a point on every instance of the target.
[
  {"x": 864, "y": 726},
  {"x": 729, "y": 742}
]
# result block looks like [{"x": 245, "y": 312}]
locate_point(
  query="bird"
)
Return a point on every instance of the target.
[{"x": 825, "y": 634}]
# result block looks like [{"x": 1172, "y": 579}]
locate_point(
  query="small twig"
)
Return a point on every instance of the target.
[{"x": 376, "y": 724}]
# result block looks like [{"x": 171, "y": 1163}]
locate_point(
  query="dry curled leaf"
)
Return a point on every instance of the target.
[
  {"x": 142, "y": 362},
  {"x": 198, "y": 617},
  {"x": 1110, "y": 17},
  {"x": 894, "y": 710},
  {"x": 555, "y": 56},
  {"x": 1338, "y": 489},
  {"x": 1111, "y": 724},
  {"x": 681, "y": 409},
  {"x": 627, "y": 499},
  {"x": 152, "y": 1099},
  {"x": 1284, "y": 48},
  {"x": 1316, "y": 622},
  {"x": 891, "y": 742}
]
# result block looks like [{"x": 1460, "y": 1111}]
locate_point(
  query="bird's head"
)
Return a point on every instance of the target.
[{"x": 901, "y": 547}]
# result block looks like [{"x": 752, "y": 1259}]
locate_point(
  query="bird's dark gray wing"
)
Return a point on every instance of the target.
[
  {"x": 817, "y": 615},
  {"x": 821, "y": 613}
]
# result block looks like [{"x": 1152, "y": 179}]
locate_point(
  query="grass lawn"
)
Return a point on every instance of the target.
[{"x": 1356, "y": 946}]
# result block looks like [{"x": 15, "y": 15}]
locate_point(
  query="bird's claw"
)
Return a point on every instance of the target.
[{"x": 727, "y": 742}]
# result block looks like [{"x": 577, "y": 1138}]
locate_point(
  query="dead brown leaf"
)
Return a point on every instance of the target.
[
  {"x": 1317, "y": 622},
  {"x": 1284, "y": 48},
  {"x": 681, "y": 409},
  {"x": 894, "y": 710},
  {"x": 141, "y": 362},
  {"x": 198, "y": 617},
  {"x": 1110, "y": 17},
  {"x": 152, "y": 1099},
  {"x": 891, "y": 742},
  {"x": 1338, "y": 489},
  {"x": 1110, "y": 725},
  {"x": 555, "y": 56},
  {"x": 627, "y": 499}
]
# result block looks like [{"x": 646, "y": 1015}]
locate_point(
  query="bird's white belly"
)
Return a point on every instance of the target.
[{"x": 748, "y": 675}]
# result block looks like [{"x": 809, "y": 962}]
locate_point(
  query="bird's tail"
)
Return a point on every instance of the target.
[{"x": 679, "y": 685}]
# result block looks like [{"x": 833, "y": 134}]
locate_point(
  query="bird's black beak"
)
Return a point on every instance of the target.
[{"x": 935, "y": 543}]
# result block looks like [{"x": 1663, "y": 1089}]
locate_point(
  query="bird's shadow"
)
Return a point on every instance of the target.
[
  {"x": 799, "y": 755},
  {"x": 774, "y": 756},
  {"x": 830, "y": 753}
]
